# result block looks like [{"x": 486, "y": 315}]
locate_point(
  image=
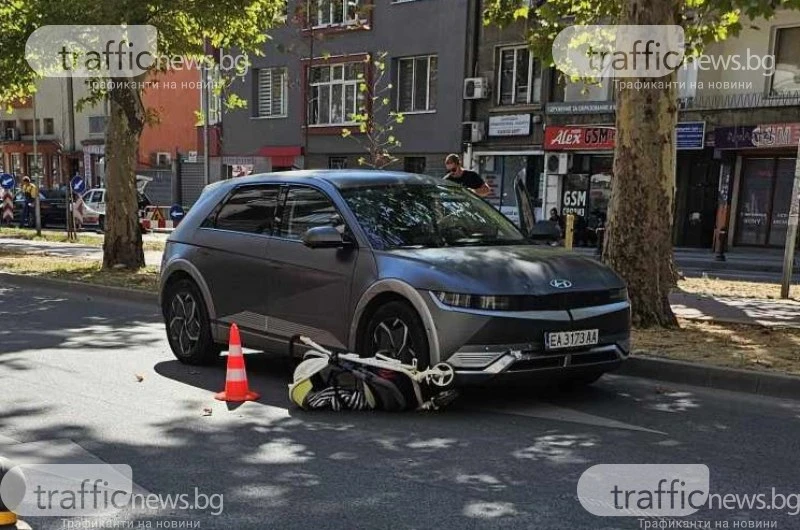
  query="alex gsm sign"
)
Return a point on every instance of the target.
[{"x": 560, "y": 138}]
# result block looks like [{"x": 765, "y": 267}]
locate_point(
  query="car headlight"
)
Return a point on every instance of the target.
[
  {"x": 472, "y": 301},
  {"x": 618, "y": 295}
]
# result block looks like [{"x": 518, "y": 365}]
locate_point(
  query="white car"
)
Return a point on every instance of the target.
[{"x": 94, "y": 200}]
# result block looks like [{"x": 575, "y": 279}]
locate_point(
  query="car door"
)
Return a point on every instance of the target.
[
  {"x": 230, "y": 253},
  {"x": 309, "y": 288}
]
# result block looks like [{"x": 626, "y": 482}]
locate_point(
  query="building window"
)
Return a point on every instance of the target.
[
  {"x": 764, "y": 201},
  {"x": 97, "y": 124},
  {"x": 35, "y": 165},
  {"x": 416, "y": 84},
  {"x": 335, "y": 96},
  {"x": 337, "y": 162},
  {"x": 48, "y": 126},
  {"x": 163, "y": 159},
  {"x": 786, "y": 77},
  {"x": 26, "y": 127},
  {"x": 519, "y": 77},
  {"x": 271, "y": 92},
  {"x": 335, "y": 13},
  {"x": 16, "y": 163},
  {"x": 414, "y": 164}
]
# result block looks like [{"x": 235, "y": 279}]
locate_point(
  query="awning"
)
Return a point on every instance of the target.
[{"x": 281, "y": 156}]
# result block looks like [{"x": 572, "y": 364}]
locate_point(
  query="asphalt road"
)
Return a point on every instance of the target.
[{"x": 92, "y": 380}]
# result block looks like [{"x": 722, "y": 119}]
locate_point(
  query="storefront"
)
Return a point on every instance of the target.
[
  {"x": 579, "y": 165},
  {"x": 511, "y": 152},
  {"x": 500, "y": 169},
  {"x": 766, "y": 156}
]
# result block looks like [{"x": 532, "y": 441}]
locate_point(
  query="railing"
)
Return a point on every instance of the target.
[{"x": 749, "y": 100}]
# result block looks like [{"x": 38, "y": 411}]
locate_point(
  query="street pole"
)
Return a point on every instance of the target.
[
  {"x": 36, "y": 177},
  {"x": 791, "y": 231},
  {"x": 206, "y": 108}
]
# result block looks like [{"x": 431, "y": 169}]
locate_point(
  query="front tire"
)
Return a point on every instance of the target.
[
  {"x": 396, "y": 330},
  {"x": 188, "y": 325}
]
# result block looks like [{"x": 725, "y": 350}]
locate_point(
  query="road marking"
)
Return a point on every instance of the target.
[{"x": 551, "y": 412}]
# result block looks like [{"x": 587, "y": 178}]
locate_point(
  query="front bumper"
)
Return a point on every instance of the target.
[
  {"x": 486, "y": 345},
  {"x": 515, "y": 363}
]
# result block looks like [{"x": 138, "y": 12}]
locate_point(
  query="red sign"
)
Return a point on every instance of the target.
[{"x": 583, "y": 138}]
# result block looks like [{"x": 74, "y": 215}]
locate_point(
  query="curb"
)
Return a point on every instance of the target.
[
  {"x": 88, "y": 289},
  {"x": 717, "y": 377}
]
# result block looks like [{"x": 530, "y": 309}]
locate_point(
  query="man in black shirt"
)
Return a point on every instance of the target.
[{"x": 468, "y": 179}]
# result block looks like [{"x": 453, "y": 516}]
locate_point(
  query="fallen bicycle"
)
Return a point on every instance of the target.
[{"x": 327, "y": 380}]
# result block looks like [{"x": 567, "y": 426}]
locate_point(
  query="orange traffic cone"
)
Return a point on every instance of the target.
[{"x": 236, "y": 388}]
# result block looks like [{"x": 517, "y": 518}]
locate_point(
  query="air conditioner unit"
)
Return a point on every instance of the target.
[
  {"x": 12, "y": 133},
  {"x": 558, "y": 163},
  {"x": 476, "y": 88},
  {"x": 472, "y": 132}
]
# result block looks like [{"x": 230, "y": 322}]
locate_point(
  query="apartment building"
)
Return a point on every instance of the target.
[
  {"x": 304, "y": 91},
  {"x": 737, "y": 137},
  {"x": 60, "y": 132},
  {"x": 71, "y": 138}
]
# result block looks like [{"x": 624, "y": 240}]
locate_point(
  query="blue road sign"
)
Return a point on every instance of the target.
[
  {"x": 7, "y": 181},
  {"x": 176, "y": 212},
  {"x": 77, "y": 184}
]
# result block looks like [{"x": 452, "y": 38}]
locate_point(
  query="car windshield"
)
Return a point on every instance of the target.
[{"x": 428, "y": 216}]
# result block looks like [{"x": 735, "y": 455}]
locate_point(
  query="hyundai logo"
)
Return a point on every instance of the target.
[{"x": 561, "y": 284}]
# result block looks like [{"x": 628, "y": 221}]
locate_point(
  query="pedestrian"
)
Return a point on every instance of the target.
[
  {"x": 29, "y": 193},
  {"x": 468, "y": 179}
]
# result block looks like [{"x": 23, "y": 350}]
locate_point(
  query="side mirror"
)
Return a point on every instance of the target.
[{"x": 323, "y": 237}]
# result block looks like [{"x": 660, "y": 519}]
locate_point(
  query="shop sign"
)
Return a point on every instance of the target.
[
  {"x": 510, "y": 125},
  {"x": 560, "y": 138},
  {"x": 762, "y": 136},
  {"x": 690, "y": 135},
  {"x": 574, "y": 202},
  {"x": 582, "y": 107}
]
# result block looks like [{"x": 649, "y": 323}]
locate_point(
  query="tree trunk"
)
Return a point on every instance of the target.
[
  {"x": 639, "y": 233},
  {"x": 122, "y": 247}
]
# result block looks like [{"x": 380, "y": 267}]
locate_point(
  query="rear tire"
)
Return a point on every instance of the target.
[
  {"x": 396, "y": 330},
  {"x": 188, "y": 325}
]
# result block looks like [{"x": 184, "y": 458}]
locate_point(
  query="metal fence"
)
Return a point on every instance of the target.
[{"x": 749, "y": 100}]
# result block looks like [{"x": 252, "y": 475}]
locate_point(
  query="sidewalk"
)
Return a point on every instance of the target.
[
  {"x": 761, "y": 264},
  {"x": 753, "y": 311},
  {"x": 686, "y": 305},
  {"x": 69, "y": 250}
]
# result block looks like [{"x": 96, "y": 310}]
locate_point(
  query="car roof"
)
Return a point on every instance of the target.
[{"x": 340, "y": 178}]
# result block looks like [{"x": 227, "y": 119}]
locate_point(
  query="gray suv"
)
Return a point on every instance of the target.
[{"x": 409, "y": 266}]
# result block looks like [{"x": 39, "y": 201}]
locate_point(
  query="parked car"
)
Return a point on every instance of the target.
[
  {"x": 408, "y": 266},
  {"x": 94, "y": 200},
  {"x": 52, "y": 208}
]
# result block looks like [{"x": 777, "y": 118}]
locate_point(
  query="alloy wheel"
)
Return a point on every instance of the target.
[
  {"x": 392, "y": 338},
  {"x": 184, "y": 324}
]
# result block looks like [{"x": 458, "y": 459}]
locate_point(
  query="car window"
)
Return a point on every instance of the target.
[
  {"x": 250, "y": 210},
  {"x": 101, "y": 196},
  {"x": 89, "y": 197},
  {"x": 307, "y": 208}
]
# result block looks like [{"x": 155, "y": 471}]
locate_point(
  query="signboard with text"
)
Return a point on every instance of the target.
[
  {"x": 762, "y": 136},
  {"x": 690, "y": 135},
  {"x": 561, "y": 138},
  {"x": 510, "y": 125}
]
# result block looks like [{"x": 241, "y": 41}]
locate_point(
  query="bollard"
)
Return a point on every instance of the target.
[
  {"x": 12, "y": 491},
  {"x": 601, "y": 235},
  {"x": 569, "y": 228},
  {"x": 721, "y": 242}
]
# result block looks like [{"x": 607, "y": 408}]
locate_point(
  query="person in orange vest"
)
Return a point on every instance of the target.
[{"x": 29, "y": 193}]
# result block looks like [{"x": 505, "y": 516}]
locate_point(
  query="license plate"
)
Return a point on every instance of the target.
[{"x": 570, "y": 339}]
